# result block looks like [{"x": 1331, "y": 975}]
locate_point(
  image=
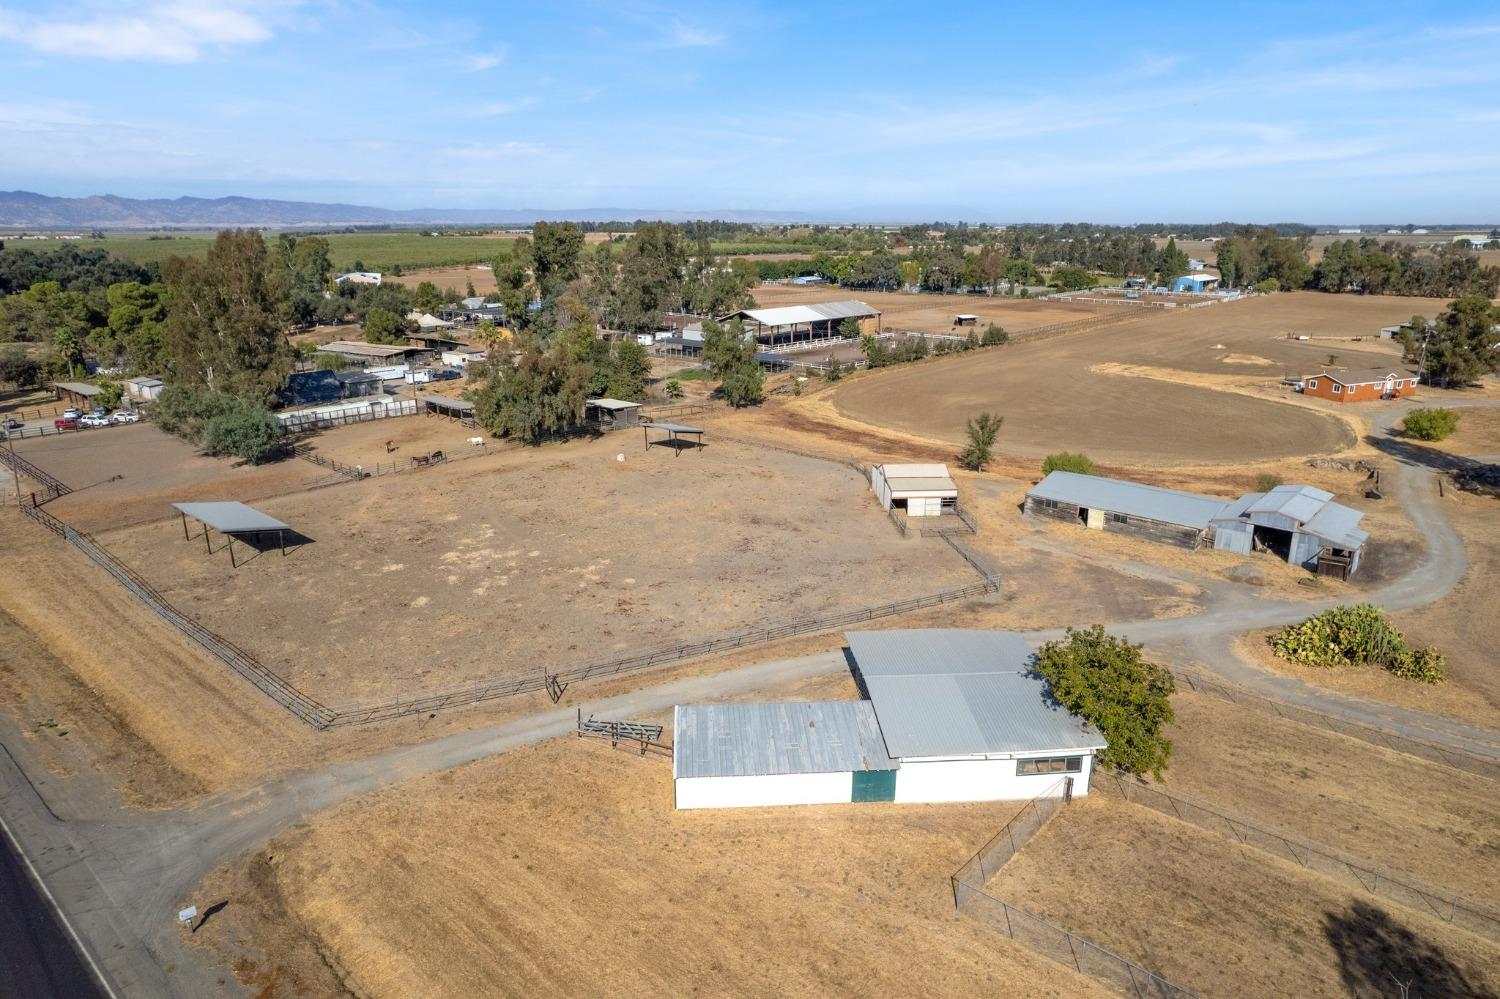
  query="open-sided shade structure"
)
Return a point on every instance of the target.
[
  {"x": 229, "y": 519},
  {"x": 674, "y": 434}
]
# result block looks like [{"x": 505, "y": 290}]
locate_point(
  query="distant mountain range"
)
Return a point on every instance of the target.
[{"x": 107, "y": 211}]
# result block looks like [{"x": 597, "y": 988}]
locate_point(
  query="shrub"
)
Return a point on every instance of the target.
[
  {"x": 1265, "y": 482},
  {"x": 1104, "y": 679},
  {"x": 1068, "y": 461},
  {"x": 19, "y": 368},
  {"x": 246, "y": 431},
  {"x": 1430, "y": 424},
  {"x": 1268, "y": 286},
  {"x": 674, "y": 389},
  {"x": 1357, "y": 635},
  {"x": 994, "y": 335},
  {"x": 110, "y": 394}
]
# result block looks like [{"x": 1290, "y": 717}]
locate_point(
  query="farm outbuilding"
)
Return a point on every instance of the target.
[
  {"x": 75, "y": 393},
  {"x": 1120, "y": 507},
  {"x": 805, "y": 323},
  {"x": 1300, "y": 524},
  {"x": 921, "y": 490},
  {"x": 948, "y": 715},
  {"x": 358, "y": 352},
  {"x": 358, "y": 277},
  {"x": 1360, "y": 384},
  {"x": 1197, "y": 282},
  {"x": 612, "y": 414},
  {"x": 143, "y": 387}
]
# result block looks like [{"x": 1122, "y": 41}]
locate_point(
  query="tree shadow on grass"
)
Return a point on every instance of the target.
[{"x": 1380, "y": 957}]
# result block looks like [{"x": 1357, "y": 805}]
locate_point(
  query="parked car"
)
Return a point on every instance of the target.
[
  {"x": 65, "y": 423},
  {"x": 94, "y": 420},
  {"x": 72, "y": 413},
  {"x": 13, "y": 424},
  {"x": 126, "y": 416}
]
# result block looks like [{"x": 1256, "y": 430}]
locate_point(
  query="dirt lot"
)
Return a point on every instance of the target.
[
  {"x": 394, "y": 442},
  {"x": 499, "y": 565},
  {"x": 457, "y": 278},
  {"x": 125, "y": 475},
  {"x": 1402, "y": 812},
  {"x": 1086, "y": 391},
  {"x": 585, "y": 878},
  {"x": 934, "y": 313},
  {"x": 1225, "y": 920}
]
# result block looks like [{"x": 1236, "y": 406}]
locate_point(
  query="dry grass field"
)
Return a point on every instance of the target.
[
  {"x": 503, "y": 564},
  {"x": 563, "y": 870},
  {"x": 1087, "y": 391},
  {"x": 933, "y": 313},
  {"x": 1224, "y": 920},
  {"x": 125, "y": 475},
  {"x": 1399, "y": 811}
]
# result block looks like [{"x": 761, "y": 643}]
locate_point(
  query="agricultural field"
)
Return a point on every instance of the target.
[
  {"x": 1143, "y": 391},
  {"x": 501, "y": 565},
  {"x": 1225, "y": 920},
  {"x": 398, "y": 894}
]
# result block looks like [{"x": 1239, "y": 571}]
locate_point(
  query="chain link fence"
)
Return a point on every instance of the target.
[
  {"x": 1396, "y": 886},
  {"x": 1032, "y": 931}
]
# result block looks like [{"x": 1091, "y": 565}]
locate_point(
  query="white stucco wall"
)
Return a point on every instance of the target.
[
  {"x": 777, "y": 789},
  {"x": 979, "y": 779}
]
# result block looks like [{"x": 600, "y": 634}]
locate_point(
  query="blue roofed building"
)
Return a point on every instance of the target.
[{"x": 1196, "y": 283}]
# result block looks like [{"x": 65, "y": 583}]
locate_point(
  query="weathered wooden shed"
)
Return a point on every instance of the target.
[
  {"x": 1167, "y": 516},
  {"x": 1301, "y": 524}
]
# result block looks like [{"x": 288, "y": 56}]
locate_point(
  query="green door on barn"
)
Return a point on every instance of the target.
[{"x": 874, "y": 785}]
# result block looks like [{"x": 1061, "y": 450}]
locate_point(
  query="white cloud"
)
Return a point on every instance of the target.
[
  {"x": 171, "y": 31},
  {"x": 481, "y": 61},
  {"x": 688, "y": 36},
  {"x": 495, "y": 108}
]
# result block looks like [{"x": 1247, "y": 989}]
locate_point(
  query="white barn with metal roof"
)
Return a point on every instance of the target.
[
  {"x": 923, "y": 490},
  {"x": 806, "y": 323},
  {"x": 949, "y": 715}
]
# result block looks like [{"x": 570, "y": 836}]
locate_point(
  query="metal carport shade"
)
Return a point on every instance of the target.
[{"x": 231, "y": 518}]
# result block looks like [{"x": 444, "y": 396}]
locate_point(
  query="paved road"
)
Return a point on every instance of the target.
[
  {"x": 120, "y": 875},
  {"x": 37, "y": 958}
]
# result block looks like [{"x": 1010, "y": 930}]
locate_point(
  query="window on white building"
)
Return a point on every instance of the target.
[{"x": 1051, "y": 765}]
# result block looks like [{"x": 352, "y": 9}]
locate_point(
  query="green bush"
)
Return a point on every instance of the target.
[
  {"x": 982, "y": 431},
  {"x": 1104, "y": 679},
  {"x": 1268, "y": 286},
  {"x": 246, "y": 431},
  {"x": 1265, "y": 482},
  {"x": 1430, "y": 424},
  {"x": 1068, "y": 461},
  {"x": 1354, "y": 636},
  {"x": 994, "y": 335}
]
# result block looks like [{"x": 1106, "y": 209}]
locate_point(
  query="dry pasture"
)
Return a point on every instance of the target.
[
  {"x": 1084, "y": 391},
  {"x": 933, "y": 313},
  {"x": 563, "y": 869},
  {"x": 1225, "y": 920},
  {"x": 504, "y": 564}
]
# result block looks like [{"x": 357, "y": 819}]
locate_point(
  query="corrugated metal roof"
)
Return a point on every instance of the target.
[
  {"x": 956, "y": 692},
  {"x": 354, "y": 347},
  {"x": 230, "y": 517},
  {"x": 1300, "y": 503},
  {"x": 611, "y": 404},
  {"x": 77, "y": 388},
  {"x": 1130, "y": 498},
  {"x": 938, "y": 652},
  {"x": 906, "y": 487},
  {"x": 743, "y": 740},
  {"x": 790, "y": 315},
  {"x": 1338, "y": 525}
]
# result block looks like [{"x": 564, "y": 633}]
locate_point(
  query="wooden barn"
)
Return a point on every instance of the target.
[
  {"x": 1300, "y": 524},
  {"x": 1166, "y": 516}
]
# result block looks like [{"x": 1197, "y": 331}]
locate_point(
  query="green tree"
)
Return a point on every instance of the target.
[
  {"x": 650, "y": 281},
  {"x": 110, "y": 394},
  {"x": 426, "y": 297},
  {"x": 1071, "y": 278},
  {"x": 557, "y": 247},
  {"x": 1104, "y": 679},
  {"x": 1228, "y": 259},
  {"x": 982, "y": 431},
  {"x": 384, "y": 326},
  {"x": 136, "y": 325},
  {"x": 628, "y": 371},
  {"x": 911, "y": 273},
  {"x": 1068, "y": 461},
  {"x": 18, "y": 367},
  {"x": 543, "y": 391},
  {"x": 1429, "y": 424},
  {"x": 1172, "y": 263},
  {"x": 59, "y": 317},
  {"x": 1462, "y": 345},
  {"x": 301, "y": 268},
  {"x": 730, "y": 356},
  {"x": 994, "y": 335},
  {"x": 224, "y": 328},
  {"x": 513, "y": 283}
]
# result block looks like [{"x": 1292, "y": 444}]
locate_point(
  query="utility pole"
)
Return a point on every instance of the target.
[{"x": 15, "y": 469}]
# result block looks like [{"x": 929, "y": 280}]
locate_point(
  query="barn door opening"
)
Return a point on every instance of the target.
[
  {"x": 1274, "y": 540},
  {"x": 1083, "y": 515}
]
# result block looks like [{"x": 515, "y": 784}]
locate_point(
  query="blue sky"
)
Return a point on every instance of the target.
[{"x": 1038, "y": 112}]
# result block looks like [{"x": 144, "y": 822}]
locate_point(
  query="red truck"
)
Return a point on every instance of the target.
[{"x": 64, "y": 423}]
